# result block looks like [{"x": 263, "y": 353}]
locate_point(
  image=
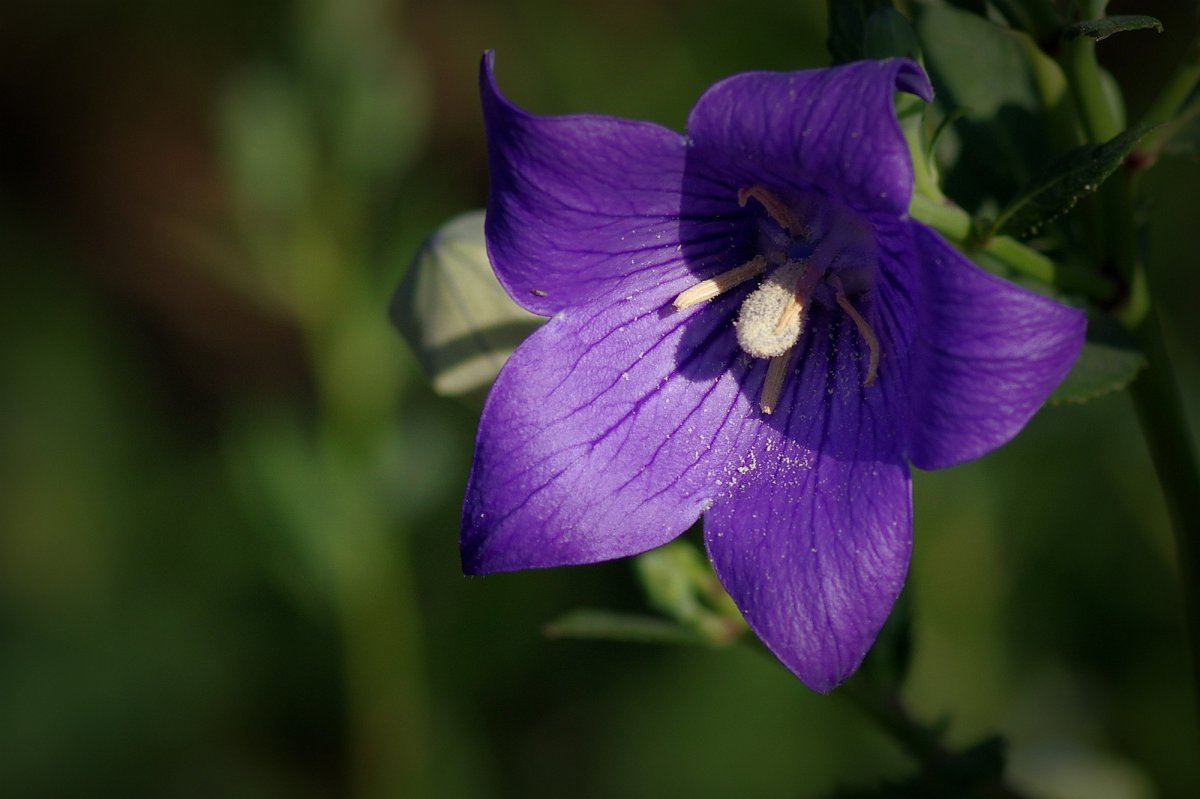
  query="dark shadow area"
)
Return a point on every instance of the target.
[{"x": 999, "y": 157}]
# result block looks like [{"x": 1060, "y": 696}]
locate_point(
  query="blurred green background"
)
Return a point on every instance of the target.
[{"x": 229, "y": 501}]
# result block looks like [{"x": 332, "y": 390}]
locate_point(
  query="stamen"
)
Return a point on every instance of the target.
[
  {"x": 706, "y": 290},
  {"x": 773, "y": 383},
  {"x": 775, "y": 209},
  {"x": 802, "y": 293},
  {"x": 791, "y": 312},
  {"x": 864, "y": 329}
]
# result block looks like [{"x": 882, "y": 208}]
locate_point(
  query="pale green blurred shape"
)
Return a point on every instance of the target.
[{"x": 453, "y": 312}]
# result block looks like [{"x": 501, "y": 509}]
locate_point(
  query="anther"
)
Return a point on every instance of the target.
[
  {"x": 864, "y": 329},
  {"x": 801, "y": 294},
  {"x": 775, "y": 209},
  {"x": 716, "y": 286},
  {"x": 777, "y": 371}
]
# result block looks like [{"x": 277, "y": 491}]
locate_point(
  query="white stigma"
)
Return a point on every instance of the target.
[{"x": 769, "y": 321}]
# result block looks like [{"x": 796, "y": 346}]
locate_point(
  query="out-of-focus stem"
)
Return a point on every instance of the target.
[
  {"x": 887, "y": 709},
  {"x": 383, "y": 660},
  {"x": 374, "y": 587},
  {"x": 1175, "y": 93},
  {"x": 955, "y": 224},
  {"x": 911, "y": 112},
  {"x": 1164, "y": 425},
  {"x": 1100, "y": 120},
  {"x": 1155, "y": 392}
]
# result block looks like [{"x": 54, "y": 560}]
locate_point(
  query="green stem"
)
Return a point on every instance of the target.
[
  {"x": 388, "y": 716},
  {"x": 887, "y": 709},
  {"x": 911, "y": 112},
  {"x": 1118, "y": 247},
  {"x": 383, "y": 655},
  {"x": 955, "y": 224},
  {"x": 1100, "y": 119},
  {"x": 1164, "y": 425}
]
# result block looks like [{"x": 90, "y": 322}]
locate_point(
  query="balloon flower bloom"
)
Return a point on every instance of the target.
[{"x": 745, "y": 326}]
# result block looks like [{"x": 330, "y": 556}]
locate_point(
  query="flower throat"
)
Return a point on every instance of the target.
[{"x": 811, "y": 251}]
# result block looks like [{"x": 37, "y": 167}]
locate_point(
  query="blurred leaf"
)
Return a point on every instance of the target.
[
  {"x": 1110, "y": 360},
  {"x": 1076, "y": 175},
  {"x": 606, "y": 625},
  {"x": 453, "y": 312},
  {"x": 1101, "y": 29},
  {"x": 277, "y": 475},
  {"x": 847, "y": 27},
  {"x": 382, "y": 115},
  {"x": 982, "y": 65},
  {"x": 369, "y": 87},
  {"x": 999, "y": 85},
  {"x": 269, "y": 142},
  {"x": 887, "y": 34}
]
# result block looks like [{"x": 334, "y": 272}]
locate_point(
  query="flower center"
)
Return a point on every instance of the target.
[{"x": 812, "y": 251}]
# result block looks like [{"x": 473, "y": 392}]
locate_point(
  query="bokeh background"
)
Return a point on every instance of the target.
[{"x": 229, "y": 499}]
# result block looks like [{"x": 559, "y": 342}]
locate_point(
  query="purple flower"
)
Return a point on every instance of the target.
[{"x": 746, "y": 325}]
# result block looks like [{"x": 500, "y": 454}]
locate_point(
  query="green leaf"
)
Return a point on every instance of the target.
[
  {"x": 605, "y": 625},
  {"x": 997, "y": 84},
  {"x": 1110, "y": 360},
  {"x": 1101, "y": 29},
  {"x": 1077, "y": 174},
  {"x": 847, "y": 27},
  {"x": 453, "y": 312}
]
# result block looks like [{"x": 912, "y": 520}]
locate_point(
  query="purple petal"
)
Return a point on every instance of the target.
[
  {"x": 582, "y": 206},
  {"x": 833, "y": 129},
  {"x": 813, "y": 539},
  {"x": 606, "y": 434},
  {"x": 987, "y": 355}
]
